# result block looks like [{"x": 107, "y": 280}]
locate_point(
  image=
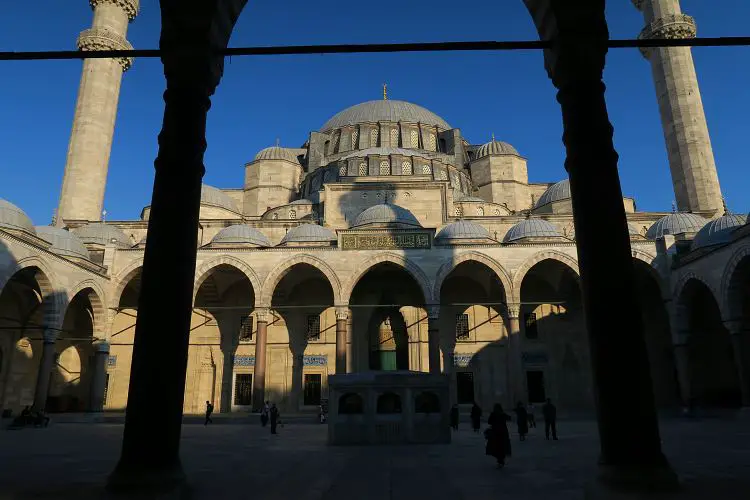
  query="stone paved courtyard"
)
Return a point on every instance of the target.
[{"x": 233, "y": 460}]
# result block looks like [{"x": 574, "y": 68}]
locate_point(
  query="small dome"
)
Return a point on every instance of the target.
[
  {"x": 13, "y": 218},
  {"x": 386, "y": 214},
  {"x": 556, "y": 192},
  {"x": 213, "y": 196},
  {"x": 102, "y": 234},
  {"x": 675, "y": 224},
  {"x": 308, "y": 233},
  {"x": 471, "y": 199},
  {"x": 718, "y": 231},
  {"x": 277, "y": 153},
  {"x": 63, "y": 242},
  {"x": 463, "y": 230},
  {"x": 531, "y": 228},
  {"x": 241, "y": 234},
  {"x": 384, "y": 111},
  {"x": 496, "y": 148}
]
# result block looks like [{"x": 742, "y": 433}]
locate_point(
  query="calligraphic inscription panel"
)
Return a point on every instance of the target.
[{"x": 384, "y": 241}]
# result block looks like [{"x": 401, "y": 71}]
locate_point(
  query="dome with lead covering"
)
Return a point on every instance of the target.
[
  {"x": 386, "y": 214},
  {"x": 531, "y": 228},
  {"x": 100, "y": 233},
  {"x": 63, "y": 242},
  {"x": 308, "y": 233},
  {"x": 277, "y": 153},
  {"x": 496, "y": 148},
  {"x": 556, "y": 192},
  {"x": 213, "y": 196},
  {"x": 718, "y": 231},
  {"x": 384, "y": 111},
  {"x": 463, "y": 230},
  {"x": 13, "y": 218},
  {"x": 676, "y": 224},
  {"x": 241, "y": 234}
]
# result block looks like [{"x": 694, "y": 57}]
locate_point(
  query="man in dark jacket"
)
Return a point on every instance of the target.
[
  {"x": 274, "y": 414},
  {"x": 550, "y": 419}
]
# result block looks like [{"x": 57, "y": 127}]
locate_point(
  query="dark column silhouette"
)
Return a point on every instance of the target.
[
  {"x": 631, "y": 456},
  {"x": 259, "y": 372},
  {"x": 191, "y": 31}
]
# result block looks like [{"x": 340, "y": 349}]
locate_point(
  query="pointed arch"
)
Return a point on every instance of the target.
[
  {"x": 98, "y": 301},
  {"x": 122, "y": 280},
  {"x": 207, "y": 267},
  {"x": 729, "y": 297},
  {"x": 274, "y": 277},
  {"x": 653, "y": 270},
  {"x": 680, "y": 315},
  {"x": 413, "y": 269},
  {"x": 454, "y": 261},
  {"x": 521, "y": 272}
]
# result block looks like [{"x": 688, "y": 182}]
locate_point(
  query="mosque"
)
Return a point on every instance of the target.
[{"x": 386, "y": 241}]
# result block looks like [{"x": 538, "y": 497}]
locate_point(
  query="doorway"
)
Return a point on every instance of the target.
[
  {"x": 535, "y": 386},
  {"x": 465, "y": 387},
  {"x": 243, "y": 389}
]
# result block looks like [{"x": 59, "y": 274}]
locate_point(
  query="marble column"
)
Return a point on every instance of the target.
[
  {"x": 261, "y": 351},
  {"x": 433, "y": 337},
  {"x": 99, "y": 378},
  {"x": 342, "y": 316},
  {"x": 740, "y": 340},
  {"x": 515, "y": 365},
  {"x": 46, "y": 365}
]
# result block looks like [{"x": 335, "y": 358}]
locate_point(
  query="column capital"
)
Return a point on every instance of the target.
[
  {"x": 433, "y": 311},
  {"x": 130, "y": 7},
  {"x": 262, "y": 314},
  {"x": 101, "y": 346},
  {"x": 104, "y": 39},
  {"x": 514, "y": 310},
  {"x": 49, "y": 335},
  {"x": 342, "y": 313},
  {"x": 670, "y": 27}
]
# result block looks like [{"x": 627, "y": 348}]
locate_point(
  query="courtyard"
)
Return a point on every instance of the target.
[{"x": 236, "y": 458}]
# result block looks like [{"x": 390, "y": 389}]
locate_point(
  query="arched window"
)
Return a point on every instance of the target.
[
  {"x": 427, "y": 402},
  {"x": 342, "y": 170},
  {"x": 394, "y": 137},
  {"x": 414, "y": 136},
  {"x": 385, "y": 167},
  {"x": 327, "y": 148},
  {"x": 459, "y": 211},
  {"x": 426, "y": 169},
  {"x": 496, "y": 211},
  {"x": 363, "y": 168},
  {"x": 443, "y": 146},
  {"x": 336, "y": 138},
  {"x": 351, "y": 404},
  {"x": 292, "y": 214},
  {"x": 355, "y": 136},
  {"x": 480, "y": 211},
  {"x": 275, "y": 216},
  {"x": 431, "y": 142},
  {"x": 374, "y": 138},
  {"x": 406, "y": 168},
  {"x": 389, "y": 403}
]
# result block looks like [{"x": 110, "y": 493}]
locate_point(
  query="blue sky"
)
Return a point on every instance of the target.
[{"x": 263, "y": 98}]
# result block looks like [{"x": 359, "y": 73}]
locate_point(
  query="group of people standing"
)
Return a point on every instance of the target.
[
  {"x": 497, "y": 435},
  {"x": 268, "y": 413}
]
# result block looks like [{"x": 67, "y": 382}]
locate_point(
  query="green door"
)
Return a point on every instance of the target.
[{"x": 388, "y": 360}]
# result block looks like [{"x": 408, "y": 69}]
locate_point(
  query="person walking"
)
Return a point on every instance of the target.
[
  {"x": 454, "y": 417},
  {"x": 497, "y": 436},
  {"x": 275, "y": 416},
  {"x": 550, "y": 419},
  {"x": 522, "y": 420},
  {"x": 476, "y": 417},
  {"x": 264, "y": 414},
  {"x": 532, "y": 418},
  {"x": 209, "y": 411}
]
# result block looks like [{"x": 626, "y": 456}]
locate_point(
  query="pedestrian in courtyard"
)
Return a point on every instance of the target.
[
  {"x": 454, "y": 417},
  {"x": 497, "y": 436},
  {"x": 476, "y": 417},
  {"x": 264, "y": 414},
  {"x": 275, "y": 417},
  {"x": 550, "y": 419},
  {"x": 532, "y": 419},
  {"x": 209, "y": 411},
  {"x": 522, "y": 420}
]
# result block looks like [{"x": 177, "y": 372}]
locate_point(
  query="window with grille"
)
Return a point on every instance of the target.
[
  {"x": 292, "y": 214},
  {"x": 374, "y": 138},
  {"x": 462, "y": 327},
  {"x": 312, "y": 386},
  {"x": 342, "y": 170},
  {"x": 394, "y": 137},
  {"x": 406, "y": 168},
  {"x": 363, "y": 168},
  {"x": 414, "y": 136},
  {"x": 355, "y": 136},
  {"x": 431, "y": 142},
  {"x": 246, "y": 329},
  {"x": 335, "y": 142},
  {"x": 529, "y": 321},
  {"x": 313, "y": 327},
  {"x": 480, "y": 211},
  {"x": 385, "y": 167},
  {"x": 459, "y": 211},
  {"x": 443, "y": 175},
  {"x": 426, "y": 169}
]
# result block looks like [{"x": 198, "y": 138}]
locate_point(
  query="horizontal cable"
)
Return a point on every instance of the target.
[
  {"x": 354, "y": 306},
  {"x": 374, "y": 48}
]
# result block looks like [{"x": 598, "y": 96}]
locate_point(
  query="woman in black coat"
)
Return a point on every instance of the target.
[
  {"x": 498, "y": 438},
  {"x": 522, "y": 418},
  {"x": 476, "y": 417}
]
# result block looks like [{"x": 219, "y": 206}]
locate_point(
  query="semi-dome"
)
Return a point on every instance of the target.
[
  {"x": 213, "y": 196},
  {"x": 718, "y": 231},
  {"x": 277, "y": 153},
  {"x": 102, "y": 234},
  {"x": 308, "y": 233},
  {"x": 63, "y": 242},
  {"x": 675, "y": 224},
  {"x": 496, "y": 148},
  {"x": 556, "y": 192},
  {"x": 384, "y": 111},
  {"x": 240, "y": 234},
  {"x": 462, "y": 230},
  {"x": 531, "y": 228},
  {"x": 13, "y": 218},
  {"x": 386, "y": 214}
]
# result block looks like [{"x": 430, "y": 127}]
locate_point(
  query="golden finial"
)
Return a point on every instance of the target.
[
  {"x": 385, "y": 91},
  {"x": 277, "y": 142}
]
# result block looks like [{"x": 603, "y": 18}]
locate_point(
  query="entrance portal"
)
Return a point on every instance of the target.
[{"x": 389, "y": 348}]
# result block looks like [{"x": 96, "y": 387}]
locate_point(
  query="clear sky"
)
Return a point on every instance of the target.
[{"x": 264, "y": 98}]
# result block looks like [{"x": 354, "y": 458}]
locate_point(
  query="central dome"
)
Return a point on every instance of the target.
[{"x": 384, "y": 111}]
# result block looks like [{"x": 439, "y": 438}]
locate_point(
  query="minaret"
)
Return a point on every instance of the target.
[
  {"x": 691, "y": 158},
  {"x": 86, "y": 167}
]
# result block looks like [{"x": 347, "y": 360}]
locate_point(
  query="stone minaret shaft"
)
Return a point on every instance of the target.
[
  {"x": 691, "y": 158},
  {"x": 86, "y": 167}
]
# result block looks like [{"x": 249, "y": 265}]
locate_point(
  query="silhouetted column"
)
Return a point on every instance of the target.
[
  {"x": 342, "y": 315},
  {"x": 741, "y": 350},
  {"x": 433, "y": 337},
  {"x": 682, "y": 366},
  {"x": 46, "y": 365},
  {"x": 99, "y": 378},
  {"x": 259, "y": 372},
  {"x": 515, "y": 367}
]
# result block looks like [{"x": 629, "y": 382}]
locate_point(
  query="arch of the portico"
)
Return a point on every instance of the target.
[{"x": 413, "y": 269}]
